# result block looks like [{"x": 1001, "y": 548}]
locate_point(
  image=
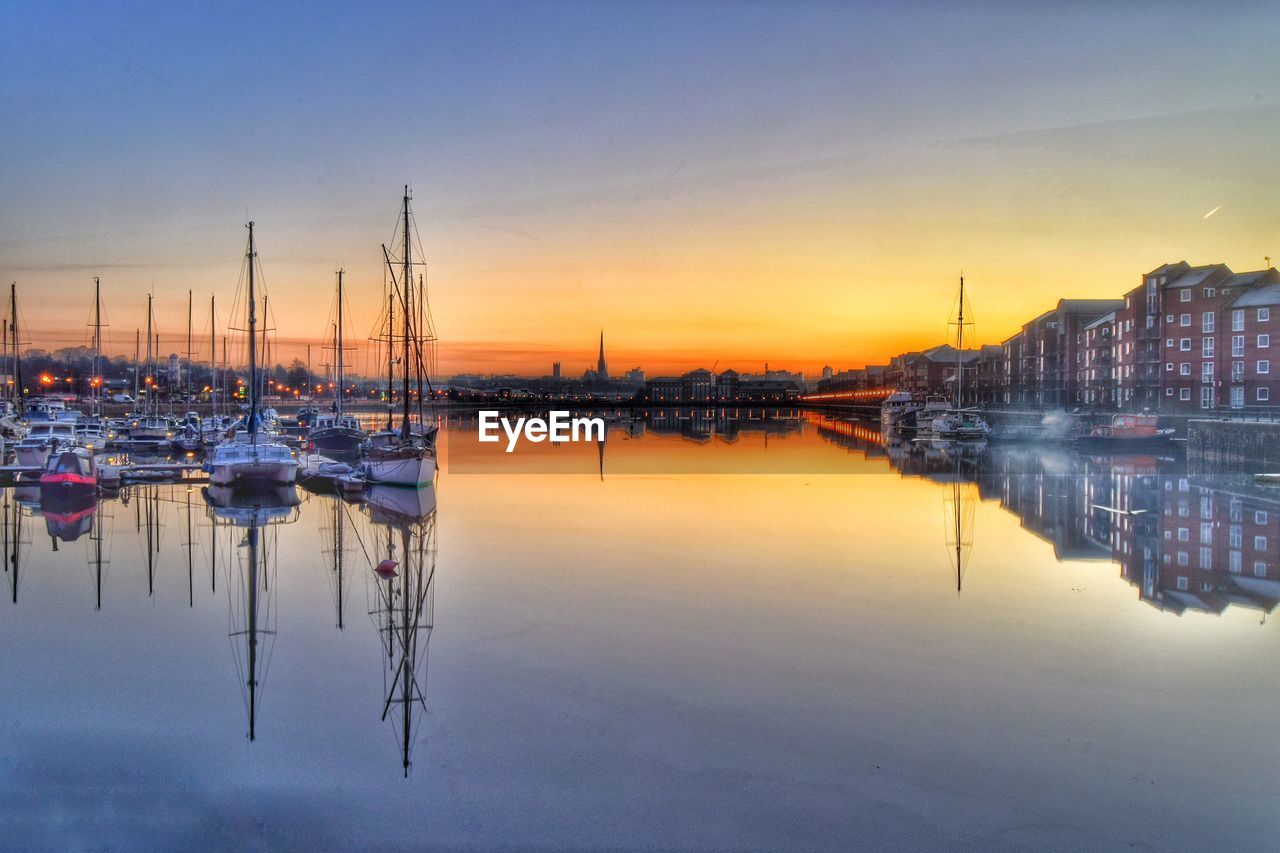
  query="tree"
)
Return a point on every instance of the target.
[{"x": 297, "y": 376}]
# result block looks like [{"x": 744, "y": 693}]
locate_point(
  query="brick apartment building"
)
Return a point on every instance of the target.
[{"x": 1185, "y": 339}]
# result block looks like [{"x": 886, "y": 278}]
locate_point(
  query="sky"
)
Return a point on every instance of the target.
[{"x": 712, "y": 183}]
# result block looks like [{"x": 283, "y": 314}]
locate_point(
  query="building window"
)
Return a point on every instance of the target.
[
  {"x": 1184, "y": 320},
  {"x": 1264, "y": 366},
  {"x": 1237, "y": 320},
  {"x": 1206, "y": 347},
  {"x": 1210, "y": 292},
  {"x": 1206, "y": 371},
  {"x": 1259, "y": 543},
  {"x": 1264, "y": 341},
  {"x": 1184, "y": 534},
  {"x": 1185, "y": 294},
  {"x": 1168, "y": 392},
  {"x": 1168, "y": 343},
  {"x": 1168, "y": 318},
  {"x": 1185, "y": 344},
  {"x": 1206, "y": 321},
  {"x": 1237, "y": 345},
  {"x": 1259, "y": 569},
  {"x": 1259, "y": 517},
  {"x": 1264, "y": 395},
  {"x": 1168, "y": 367},
  {"x": 1206, "y": 558},
  {"x": 1184, "y": 369},
  {"x": 1206, "y": 397},
  {"x": 1237, "y": 397},
  {"x": 1235, "y": 538},
  {"x": 1264, "y": 314},
  {"x": 1233, "y": 562},
  {"x": 1206, "y": 530},
  {"x": 1183, "y": 393}
]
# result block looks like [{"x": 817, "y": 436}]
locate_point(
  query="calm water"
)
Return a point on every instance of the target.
[{"x": 612, "y": 646}]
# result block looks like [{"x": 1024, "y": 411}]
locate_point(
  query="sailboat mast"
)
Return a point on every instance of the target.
[
  {"x": 151, "y": 372},
  {"x": 137, "y": 366},
  {"x": 408, "y": 311},
  {"x": 960, "y": 350},
  {"x": 391, "y": 370},
  {"x": 213, "y": 357},
  {"x": 253, "y": 347},
  {"x": 266, "y": 350},
  {"x": 187, "y": 384},
  {"x": 97, "y": 345},
  {"x": 18, "y": 390},
  {"x": 339, "y": 344}
]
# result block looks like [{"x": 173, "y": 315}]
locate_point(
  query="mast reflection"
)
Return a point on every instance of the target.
[
  {"x": 402, "y": 598},
  {"x": 251, "y": 612}
]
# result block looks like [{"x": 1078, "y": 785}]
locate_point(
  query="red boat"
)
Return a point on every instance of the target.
[
  {"x": 70, "y": 471},
  {"x": 1127, "y": 432}
]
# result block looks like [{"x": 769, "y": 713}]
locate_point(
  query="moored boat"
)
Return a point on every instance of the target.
[
  {"x": 70, "y": 471},
  {"x": 406, "y": 457},
  {"x": 43, "y": 439},
  {"x": 898, "y": 413},
  {"x": 1127, "y": 432},
  {"x": 252, "y": 458},
  {"x": 956, "y": 423}
]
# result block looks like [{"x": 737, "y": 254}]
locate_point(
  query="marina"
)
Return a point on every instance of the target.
[{"x": 472, "y": 678}]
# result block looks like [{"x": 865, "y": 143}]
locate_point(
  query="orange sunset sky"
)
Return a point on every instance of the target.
[{"x": 797, "y": 185}]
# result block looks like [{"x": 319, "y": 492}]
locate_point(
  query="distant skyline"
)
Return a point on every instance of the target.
[{"x": 797, "y": 184}]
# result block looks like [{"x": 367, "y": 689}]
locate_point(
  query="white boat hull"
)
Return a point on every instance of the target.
[
  {"x": 243, "y": 464},
  {"x": 410, "y": 471},
  {"x": 31, "y": 457},
  {"x": 249, "y": 473}
]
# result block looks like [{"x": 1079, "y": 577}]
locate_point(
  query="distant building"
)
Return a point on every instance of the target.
[
  {"x": 827, "y": 372},
  {"x": 555, "y": 370},
  {"x": 635, "y": 375},
  {"x": 701, "y": 386},
  {"x": 175, "y": 371}
]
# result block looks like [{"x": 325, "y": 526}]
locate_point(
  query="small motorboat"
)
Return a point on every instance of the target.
[
  {"x": 70, "y": 471},
  {"x": 315, "y": 470},
  {"x": 1126, "y": 432},
  {"x": 350, "y": 484}
]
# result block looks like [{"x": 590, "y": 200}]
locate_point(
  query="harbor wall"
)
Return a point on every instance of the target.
[{"x": 1233, "y": 444}]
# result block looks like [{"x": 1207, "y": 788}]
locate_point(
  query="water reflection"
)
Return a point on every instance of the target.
[
  {"x": 402, "y": 602},
  {"x": 1187, "y": 543},
  {"x": 251, "y": 612},
  {"x": 792, "y": 635}
]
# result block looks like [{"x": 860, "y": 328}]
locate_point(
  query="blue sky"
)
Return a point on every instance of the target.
[{"x": 575, "y": 163}]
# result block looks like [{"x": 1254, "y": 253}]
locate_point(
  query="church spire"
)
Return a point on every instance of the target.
[{"x": 602, "y": 368}]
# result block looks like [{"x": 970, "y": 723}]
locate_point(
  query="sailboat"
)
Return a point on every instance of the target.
[
  {"x": 251, "y": 459},
  {"x": 152, "y": 431},
  {"x": 337, "y": 432},
  {"x": 959, "y": 424},
  {"x": 406, "y": 457}
]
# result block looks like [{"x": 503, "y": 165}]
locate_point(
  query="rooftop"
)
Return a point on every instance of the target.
[
  {"x": 1196, "y": 275},
  {"x": 1269, "y": 295}
]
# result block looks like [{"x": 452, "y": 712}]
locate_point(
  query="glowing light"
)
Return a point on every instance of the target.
[{"x": 1212, "y": 212}]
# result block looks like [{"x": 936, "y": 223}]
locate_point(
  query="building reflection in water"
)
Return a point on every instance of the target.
[
  {"x": 1186, "y": 543},
  {"x": 402, "y": 601}
]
